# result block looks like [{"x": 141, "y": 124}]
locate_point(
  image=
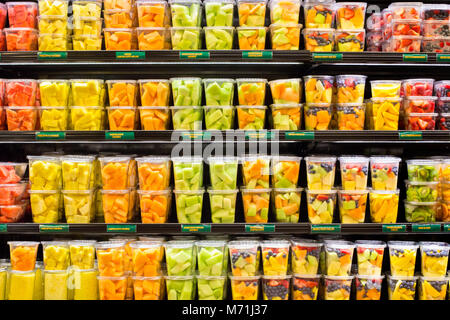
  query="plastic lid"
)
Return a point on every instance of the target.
[
  {"x": 110, "y": 244},
  {"x": 434, "y": 244},
  {"x": 218, "y": 79},
  {"x": 353, "y": 191},
  {"x": 155, "y": 192},
  {"x": 281, "y": 106},
  {"x": 245, "y": 190},
  {"x": 385, "y": 191},
  {"x": 150, "y": 159},
  {"x": 55, "y": 243},
  {"x": 286, "y": 190},
  {"x": 306, "y": 243},
  {"x": 275, "y": 244},
  {"x": 404, "y": 278},
  {"x": 194, "y": 159},
  {"x": 212, "y": 191},
  {"x": 82, "y": 243},
  {"x": 384, "y": 159},
  {"x": 244, "y": 244},
  {"x": 421, "y": 183},
  {"x": 251, "y": 107},
  {"x": 333, "y": 191},
  {"x": 276, "y": 277},
  {"x": 370, "y": 244},
  {"x": 320, "y": 159},
  {"x": 423, "y": 162},
  {"x": 338, "y": 278},
  {"x": 421, "y": 114},
  {"x": 210, "y": 243},
  {"x": 23, "y": 243},
  {"x": 402, "y": 244},
  {"x": 354, "y": 159},
  {"x": 350, "y": 31},
  {"x": 179, "y": 244},
  {"x": 374, "y": 277},
  {"x": 278, "y": 158},
  {"x": 225, "y": 159},
  {"x": 421, "y": 98},
  {"x": 340, "y": 244},
  {"x": 185, "y": 107}
]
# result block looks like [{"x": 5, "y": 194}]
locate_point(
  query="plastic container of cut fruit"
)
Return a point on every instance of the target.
[
  {"x": 374, "y": 21},
  {"x": 384, "y": 205},
  {"x": 321, "y": 205},
  {"x": 351, "y": 116},
  {"x": 423, "y": 170},
  {"x": 436, "y": 44},
  {"x": 12, "y": 172},
  {"x": 319, "y": 40},
  {"x": 420, "y": 121},
  {"x": 320, "y": 172},
  {"x": 406, "y": 10},
  {"x": 436, "y": 12},
  {"x": 350, "y": 40},
  {"x": 385, "y": 88},
  {"x": 319, "y": 14},
  {"x": 444, "y": 121},
  {"x": 337, "y": 287},
  {"x": 406, "y": 44},
  {"x": 421, "y": 191},
  {"x": 350, "y": 15},
  {"x": 370, "y": 255},
  {"x": 419, "y": 104},
  {"x": 417, "y": 88}
]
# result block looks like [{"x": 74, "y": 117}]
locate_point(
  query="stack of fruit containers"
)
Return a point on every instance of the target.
[
  {"x": 402, "y": 33},
  {"x": 350, "y": 107},
  {"x": 188, "y": 177},
  {"x": 421, "y": 204},
  {"x": 354, "y": 192},
  {"x": 383, "y": 110},
  {"x": 286, "y": 108},
  {"x": 350, "y": 35},
  {"x": 13, "y": 191},
  {"x": 442, "y": 91},
  {"x": 86, "y": 105},
  {"x": 187, "y": 113},
  {"x": 219, "y": 109},
  {"x": 22, "y": 34},
  {"x": 370, "y": 260},
  {"x": 119, "y": 181},
  {"x": 128, "y": 256},
  {"x": 23, "y": 273},
  {"x": 154, "y": 109},
  {"x": 87, "y": 25},
  {"x": 338, "y": 262},
  {"x": 83, "y": 270},
  {"x": 3, "y": 14},
  {"x": 45, "y": 192},
  {"x": 155, "y": 196},
  {"x": 122, "y": 110},
  {"x": 286, "y": 195},
  {"x": 219, "y": 30},
  {"x": 154, "y": 22},
  {"x": 319, "y": 22},
  {"x": 251, "y": 111},
  {"x": 112, "y": 275},
  {"x": 384, "y": 195},
  {"x": 20, "y": 99},
  {"x": 320, "y": 195},
  {"x": 401, "y": 280},
  {"x": 186, "y": 28},
  {"x": 120, "y": 22},
  {"x": 284, "y": 28},
  {"x": 434, "y": 260},
  {"x": 444, "y": 191},
  {"x": 436, "y": 28},
  {"x": 252, "y": 31},
  {"x": 54, "y": 100},
  {"x": 374, "y": 37},
  {"x": 53, "y": 25},
  {"x": 256, "y": 189},
  {"x": 319, "y": 98},
  {"x": 181, "y": 260},
  {"x": 419, "y": 104}
]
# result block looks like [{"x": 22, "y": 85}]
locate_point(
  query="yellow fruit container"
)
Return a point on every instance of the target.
[
  {"x": 56, "y": 285},
  {"x": 385, "y": 88},
  {"x": 338, "y": 287},
  {"x": 384, "y": 205},
  {"x": 78, "y": 206},
  {"x": 244, "y": 287},
  {"x": 402, "y": 257},
  {"x": 54, "y": 93},
  {"x": 53, "y": 24},
  {"x": 305, "y": 256},
  {"x": 385, "y": 113},
  {"x": 321, "y": 205},
  {"x": 86, "y": 8},
  {"x": 275, "y": 255},
  {"x": 46, "y": 205},
  {"x": 54, "y": 118},
  {"x": 87, "y": 92},
  {"x": 53, "y": 7},
  {"x": 401, "y": 287},
  {"x": 87, "y": 43},
  {"x": 77, "y": 171},
  {"x": 85, "y": 284},
  {"x": 45, "y": 172},
  {"x": 434, "y": 258},
  {"x": 87, "y": 26},
  {"x": 433, "y": 288},
  {"x": 86, "y": 118},
  {"x": 20, "y": 285},
  {"x": 54, "y": 42},
  {"x": 56, "y": 255},
  {"x": 82, "y": 254}
]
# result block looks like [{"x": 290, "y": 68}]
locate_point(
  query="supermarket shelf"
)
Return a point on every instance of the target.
[
  {"x": 218, "y": 56},
  {"x": 242, "y": 228},
  {"x": 235, "y": 136}
]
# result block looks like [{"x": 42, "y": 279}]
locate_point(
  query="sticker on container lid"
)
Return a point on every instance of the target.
[
  {"x": 257, "y": 54},
  {"x": 194, "y": 55},
  {"x": 195, "y": 228},
  {"x": 410, "y": 135},
  {"x": 52, "y": 55},
  {"x": 3, "y": 227},
  {"x": 325, "y": 228},
  {"x": 327, "y": 57},
  {"x": 394, "y": 227},
  {"x": 50, "y": 135},
  {"x": 122, "y": 228},
  {"x": 426, "y": 227},
  {"x": 260, "y": 227},
  {"x": 415, "y": 57},
  {"x": 299, "y": 135},
  {"x": 135, "y": 55},
  {"x": 53, "y": 228},
  {"x": 443, "y": 57},
  {"x": 119, "y": 135}
]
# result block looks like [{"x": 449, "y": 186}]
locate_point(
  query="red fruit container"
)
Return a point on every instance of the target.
[
  {"x": 13, "y": 213},
  {"x": 20, "y": 92},
  {"x": 438, "y": 44},
  {"x": 21, "y": 118},
  {"x": 2, "y": 41},
  {"x": 420, "y": 121},
  {"x": 21, "y": 39},
  {"x": 436, "y": 28},
  {"x": 406, "y": 10},
  {"x": 436, "y": 12},
  {"x": 11, "y": 194},
  {"x": 3, "y": 10},
  {"x": 22, "y": 14},
  {"x": 387, "y": 17},
  {"x": 374, "y": 40},
  {"x": 442, "y": 88},
  {"x": 419, "y": 104},
  {"x": 443, "y": 105},
  {"x": 404, "y": 27},
  {"x": 417, "y": 88},
  {"x": 405, "y": 44},
  {"x": 444, "y": 121},
  {"x": 12, "y": 172}
]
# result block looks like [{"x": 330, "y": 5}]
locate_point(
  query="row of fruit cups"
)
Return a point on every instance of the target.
[
  {"x": 13, "y": 190},
  {"x": 147, "y": 257}
]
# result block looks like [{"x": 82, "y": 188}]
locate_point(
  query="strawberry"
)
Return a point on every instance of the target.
[
  {"x": 322, "y": 197},
  {"x": 348, "y": 13}
]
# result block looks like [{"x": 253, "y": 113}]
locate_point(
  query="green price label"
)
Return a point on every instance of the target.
[
  {"x": 119, "y": 135},
  {"x": 121, "y": 228},
  {"x": 263, "y": 134},
  {"x": 415, "y": 57},
  {"x": 50, "y": 135},
  {"x": 410, "y": 135},
  {"x": 443, "y": 57},
  {"x": 394, "y": 227},
  {"x": 447, "y": 227},
  {"x": 299, "y": 135},
  {"x": 52, "y": 55},
  {"x": 259, "y": 228},
  {"x": 194, "y": 55},
  {"x": 257, "y": 54},
  {"x": 327, "y": 57},
  {"x": 3, "y": 227},
  {"x": 325, "y": 228},
  {"x": 196, "y": 135},
  {"x": 426, "y": 227},
  {"x": 195, "y": 228},
  {"x": 134, "y": 55},
  {"x": 48, "y": 228}
]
